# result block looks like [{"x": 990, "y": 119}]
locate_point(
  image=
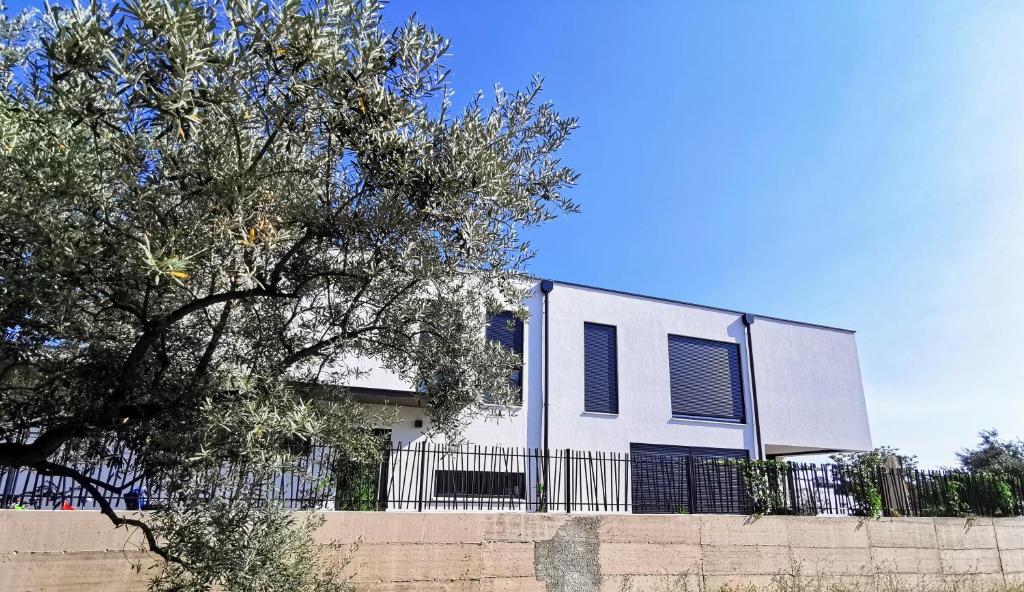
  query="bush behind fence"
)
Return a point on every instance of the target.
[{"x": 430, "y": 477}]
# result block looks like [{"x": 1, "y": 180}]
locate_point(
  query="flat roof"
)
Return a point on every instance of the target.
[{"x": 704, "y": 306}]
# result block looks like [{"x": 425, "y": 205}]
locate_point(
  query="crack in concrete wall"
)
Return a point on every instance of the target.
[{"x": 570, "y": 561}]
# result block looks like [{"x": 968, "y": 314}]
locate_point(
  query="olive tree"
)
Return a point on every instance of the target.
[{"x": 209, "y": 209}]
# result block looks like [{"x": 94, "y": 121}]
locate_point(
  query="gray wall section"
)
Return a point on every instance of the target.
[{"x": 809, "y": 388}]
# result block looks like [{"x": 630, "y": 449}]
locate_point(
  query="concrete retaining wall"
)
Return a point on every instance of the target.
[{"x": 79, "y": 551}]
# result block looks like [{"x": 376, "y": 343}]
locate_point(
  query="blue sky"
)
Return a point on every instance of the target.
[{"x": 855, "y": 164}]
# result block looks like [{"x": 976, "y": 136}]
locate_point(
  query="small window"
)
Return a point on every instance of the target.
[
  {"x": 479, "y": 484},
  {"x": 505, "y": 328},
  {"x": 704, "y": 378},
  {"x": 600, "y": 372}
]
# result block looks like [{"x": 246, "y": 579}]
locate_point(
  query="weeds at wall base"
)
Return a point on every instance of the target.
[{"x": 822, "y": 581}]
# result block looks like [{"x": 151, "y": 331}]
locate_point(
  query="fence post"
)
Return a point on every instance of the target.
[
  {"x": 880, "y": 484},
  {"x": 568, "y": 481},
  {"x": 791, "y": 485},
  {"x": 7, "y": 476},
  {"x": 339, "y": 487},
  {"x": 381, "y": 503},
  {"x": 691, "y": 506},
  {"x": 423, "y": 467},
  {"x": 546, "y": 477}
]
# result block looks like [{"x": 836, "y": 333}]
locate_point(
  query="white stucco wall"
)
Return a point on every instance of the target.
[
  {"x": 645, "y": 411},
  {"x": 809, "y": 389},
  {"x": 518, "y": 426},
  {"x": 809, "y": 386}
]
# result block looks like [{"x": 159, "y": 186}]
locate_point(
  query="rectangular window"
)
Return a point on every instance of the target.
[
  {"x": 479, "y": 484},
  {"x": 600, "y": 369},
  {"x": 704, "y": 378},
  {"x": 506, "y": 329}
]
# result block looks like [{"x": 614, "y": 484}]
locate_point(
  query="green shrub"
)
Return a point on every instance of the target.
[
  {"x": 858, "y": 476},
  {"x": 764, "y": 481}
]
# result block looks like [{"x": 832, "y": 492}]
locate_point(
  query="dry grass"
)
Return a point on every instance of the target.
[
  {"x": 881, "y": 583},
  {"x": 797, "y": 580}
]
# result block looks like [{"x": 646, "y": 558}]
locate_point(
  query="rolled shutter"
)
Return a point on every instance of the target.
[
  {"x": 704, "y": 378},
  {"x": 660, "y": 478},
  {"x": 600, "y": 373},
  {"x": 507, "y": 330}
]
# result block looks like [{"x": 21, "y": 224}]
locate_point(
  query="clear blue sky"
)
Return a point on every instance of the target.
[{"x": 856, "y": 164}]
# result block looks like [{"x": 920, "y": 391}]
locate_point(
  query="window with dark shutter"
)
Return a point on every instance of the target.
[
  {"x": 507, "y": 330},
  {"x": 492, "y": 484},
  {"x": 704, "y": 377},
  {"x": 600, "y": 372}
]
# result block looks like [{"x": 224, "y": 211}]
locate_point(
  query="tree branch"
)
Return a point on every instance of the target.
[
  {"x": 211, "y": 347},
  {"x": 152, "y": 333},
  {"x": 49, "y": 468},
  {"x": 320, "y": 346},
  {"x": 14, "y": 454}
]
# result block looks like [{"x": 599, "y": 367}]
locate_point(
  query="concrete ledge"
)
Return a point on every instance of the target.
[
  {"x": 82, "y": 571},
  {"x": 650, "y": 529},
  {"x": 836, "y": 533},
  {"x": 744, "y": 530},
  {"x": 903, "y": 533},
  {"x": 965, "y": 533},
  {"x": 43, "y": 551},
  {"x": 1009, "y": 533},
  {"x": 44, "y": 531},
  {"x": 386, "y": 562}
]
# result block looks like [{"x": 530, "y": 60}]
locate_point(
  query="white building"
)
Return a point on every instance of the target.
[
  {"x": 622, "y": 398},
  {"x": 617, "y": 372}
]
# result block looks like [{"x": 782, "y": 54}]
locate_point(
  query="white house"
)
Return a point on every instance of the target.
[
  {"x": 617, "y": 372},
  {"x": 623, "y": 397}
]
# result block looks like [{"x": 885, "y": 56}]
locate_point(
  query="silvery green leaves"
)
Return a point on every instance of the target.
[
  {"x": 239, "y": 546},
  {"x": 212, "y": 212}
]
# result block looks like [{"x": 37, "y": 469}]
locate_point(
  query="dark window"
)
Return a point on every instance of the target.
[
  {"x": 600, "y": 369},
  {"x": 507, "y": 330},
  {"x": 479, "y": 484},
  {"x": 705, "y": 378},
  {"x": 673, "y": 479}
]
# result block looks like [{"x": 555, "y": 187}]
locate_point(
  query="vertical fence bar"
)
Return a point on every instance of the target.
[
  {"x": 691, "y": 484},
  {"x": 568, "y": 481},
  {"x": 423, "y": 466}
]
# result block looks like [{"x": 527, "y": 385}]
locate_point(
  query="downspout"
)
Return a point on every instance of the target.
[
  {"x": 546, "y": 286},
  {"x": 748, "y": 320}
]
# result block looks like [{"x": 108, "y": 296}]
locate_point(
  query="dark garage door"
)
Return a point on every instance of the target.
[{"x": 672, "y": 479}]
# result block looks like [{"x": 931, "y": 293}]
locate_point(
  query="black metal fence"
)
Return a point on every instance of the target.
[
  {"x": 134, "y": 485},
  {"x": 428, "y": 477},
  {"x": 827, "y": 489},
  {"x": 431, "y": 477}
]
